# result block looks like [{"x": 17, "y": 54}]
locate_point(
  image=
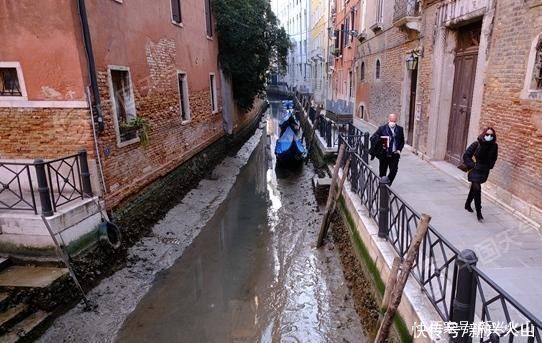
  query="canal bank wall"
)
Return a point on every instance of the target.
[{"x": 375, "y": 254}]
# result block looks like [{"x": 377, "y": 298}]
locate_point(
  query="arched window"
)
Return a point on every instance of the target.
[
  {"x": 377, "y": 73},
  {"x": 362, "y": 71},
  {"x": 537, "y": 72}
]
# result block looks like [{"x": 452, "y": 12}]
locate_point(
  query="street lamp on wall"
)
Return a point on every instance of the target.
[{"x": 412, "y": 62}]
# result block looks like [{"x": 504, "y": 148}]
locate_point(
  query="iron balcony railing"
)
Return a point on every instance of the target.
[
  {"x": 459, "y": 291},
  {"x": 44, "y": 186},
  {"x": 406, "y": 8}
]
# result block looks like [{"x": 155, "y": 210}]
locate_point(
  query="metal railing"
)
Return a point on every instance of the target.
[
  {"x": 459, "y": 291},
  {"x": 56, "y": 182},
  {"x": 406, "y": 8}
]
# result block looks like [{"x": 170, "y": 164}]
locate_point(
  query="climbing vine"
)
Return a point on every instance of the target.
[{"x": 250, "y": 43}]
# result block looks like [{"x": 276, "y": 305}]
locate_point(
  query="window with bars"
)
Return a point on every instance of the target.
[
  {"x": 123, "y": 102},
  {"x": 212, "y": 84},
  {"x": 9, "y": 82},
  {"x": 208, "y": 18},
  {"x": 537, "y": 73},
  {"x": 377, "y": 70},
  {"x": 176, "y": 11},
  {"x": 379, "y": 11},
  {"x": 183, "y": 97}
]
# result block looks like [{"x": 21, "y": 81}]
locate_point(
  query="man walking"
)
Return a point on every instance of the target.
[{"x": 392, "y": 138}]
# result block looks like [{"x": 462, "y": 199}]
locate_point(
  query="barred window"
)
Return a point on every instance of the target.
[
  {"x": 377, "y": 73},
  {"x": 537, "y": 74},
  {"x": 9, "y": 82}
]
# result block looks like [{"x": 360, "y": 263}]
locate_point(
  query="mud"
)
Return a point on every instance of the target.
[
  {"x": 363, "y": 290},
  {"x": 132, "y": 270}
]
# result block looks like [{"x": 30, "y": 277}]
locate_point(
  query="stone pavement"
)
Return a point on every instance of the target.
[{"x": 509, "y": 249}]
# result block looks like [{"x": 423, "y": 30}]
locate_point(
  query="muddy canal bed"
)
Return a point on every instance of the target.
[{"x": 236, "y": 262}]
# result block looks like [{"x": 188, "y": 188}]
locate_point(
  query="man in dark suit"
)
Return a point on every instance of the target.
[{"x": 393, "y": 139}]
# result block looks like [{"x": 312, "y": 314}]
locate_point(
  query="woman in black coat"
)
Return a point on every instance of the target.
[{"x": 480, "y": 157}]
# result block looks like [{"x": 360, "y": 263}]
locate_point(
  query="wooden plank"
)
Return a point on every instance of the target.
[
  {"x": 331, "y": 196},
  {"x": 12, "y": 312},
  {"x": 406, "y": 267}
]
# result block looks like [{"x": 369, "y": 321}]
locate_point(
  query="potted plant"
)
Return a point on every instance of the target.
[
  {"x": 336, "y": 52},
  {"x": 137, "y": 126}
]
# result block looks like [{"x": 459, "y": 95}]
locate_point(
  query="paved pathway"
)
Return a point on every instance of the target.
[{"x": 508, "y": 249}]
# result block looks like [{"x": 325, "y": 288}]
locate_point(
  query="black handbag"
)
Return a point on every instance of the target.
[{"x": 463, "y": 167}]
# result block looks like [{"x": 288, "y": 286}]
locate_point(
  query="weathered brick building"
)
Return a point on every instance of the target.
[
  {"x": 135, "y": 83},
  {"x": 479, "y": 63},
  {"x": 385, "y": 84}
]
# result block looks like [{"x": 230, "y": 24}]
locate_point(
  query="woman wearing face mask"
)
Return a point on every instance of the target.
[{"x": 480, "y": 157}]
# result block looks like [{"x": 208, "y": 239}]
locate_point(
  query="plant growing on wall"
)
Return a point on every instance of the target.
[
  {"x": 250, "y": 41},
  {"x": 137, "y": 124}
]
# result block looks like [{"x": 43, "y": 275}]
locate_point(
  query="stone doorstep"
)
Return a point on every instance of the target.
[
  {"x": 26, "y": 326},
  {"x": 30, "y": 277}
]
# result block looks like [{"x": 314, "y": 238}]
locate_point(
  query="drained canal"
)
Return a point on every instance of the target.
[{"x": 253, "y": 274}]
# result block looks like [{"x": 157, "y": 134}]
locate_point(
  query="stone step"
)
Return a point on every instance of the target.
[
  {"x": 11, "y": 316},
  {"x": 30, "y": 276},
  {"x": 24, "y": 328}
]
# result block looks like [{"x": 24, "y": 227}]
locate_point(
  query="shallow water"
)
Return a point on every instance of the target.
[{"x": 253, "y": 274}]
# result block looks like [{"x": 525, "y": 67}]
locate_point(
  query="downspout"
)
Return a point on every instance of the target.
[{"x": 91, "y": 65}]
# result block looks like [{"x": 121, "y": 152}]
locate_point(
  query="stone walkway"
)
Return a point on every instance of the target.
[{"x": 509, "y": 249}]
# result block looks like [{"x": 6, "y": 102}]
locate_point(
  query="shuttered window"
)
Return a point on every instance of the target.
[{"x": 176, "y": 11}]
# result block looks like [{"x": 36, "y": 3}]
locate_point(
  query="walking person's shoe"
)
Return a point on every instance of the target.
[
  {"x": 479, "y": 216},
  {"x": 468, "y": 206}
]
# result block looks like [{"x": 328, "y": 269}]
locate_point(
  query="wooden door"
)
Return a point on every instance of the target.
[{"x": 465, "y": 71}]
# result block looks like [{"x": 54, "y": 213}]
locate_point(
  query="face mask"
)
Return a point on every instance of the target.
[
  {"x": 392, "y": 124},
  {"x": 488, "y": 138}
]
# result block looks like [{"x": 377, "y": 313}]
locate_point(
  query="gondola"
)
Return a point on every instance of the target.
[{"x": 289, "y": 148}]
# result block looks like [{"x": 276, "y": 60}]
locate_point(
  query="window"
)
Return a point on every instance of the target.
[
  {"x": 183, "y": 97},
  {"x": 347, "y": 32},
  {"x": 362, "y": 71},
  {"x": 9, "y": 82},
  {"x": 352, "y": 18},
  {"x": 342, "y": 38},
  {"x": 351, "y": 81},
  {"x": 537, "y": 72},
  {"x": 208, "y": 18},
  {"x": 377, "y": 73},
  {"x": 379, "y": 11},
  {"x": 123, "y": 102},
  {"x": 212, "y": 83},
  {"x": 176, "y": 11}
]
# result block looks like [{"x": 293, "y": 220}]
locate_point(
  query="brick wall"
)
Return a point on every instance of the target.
[
  {"x": 128, "y": 169},
  {"x": 383, "y": 96},
  {"x": 32, "y": 133},
  {"x": 517, "y": 122}
]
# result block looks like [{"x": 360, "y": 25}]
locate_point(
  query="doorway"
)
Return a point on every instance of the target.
[
  {"x": 412, "y": 106},
  {"x": 468, "y": 43}
]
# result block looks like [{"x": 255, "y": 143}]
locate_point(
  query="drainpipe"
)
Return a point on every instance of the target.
[{"x": 91, "y": 65}]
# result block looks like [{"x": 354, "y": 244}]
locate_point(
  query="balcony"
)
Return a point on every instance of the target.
[{"x": 406, "y": 14}]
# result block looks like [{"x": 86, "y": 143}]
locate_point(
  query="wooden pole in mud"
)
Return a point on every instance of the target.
[
  {"x": 397, "y": 293},
  {"x": 392, "y": 280},
  {"x": 330, "y": 197},
  {"x": 315, "y": 124}
]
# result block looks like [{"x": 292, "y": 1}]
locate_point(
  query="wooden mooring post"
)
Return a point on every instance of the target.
[
  {"x": 402, "y": 278},
  {"x": 330, "y": 198}
]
